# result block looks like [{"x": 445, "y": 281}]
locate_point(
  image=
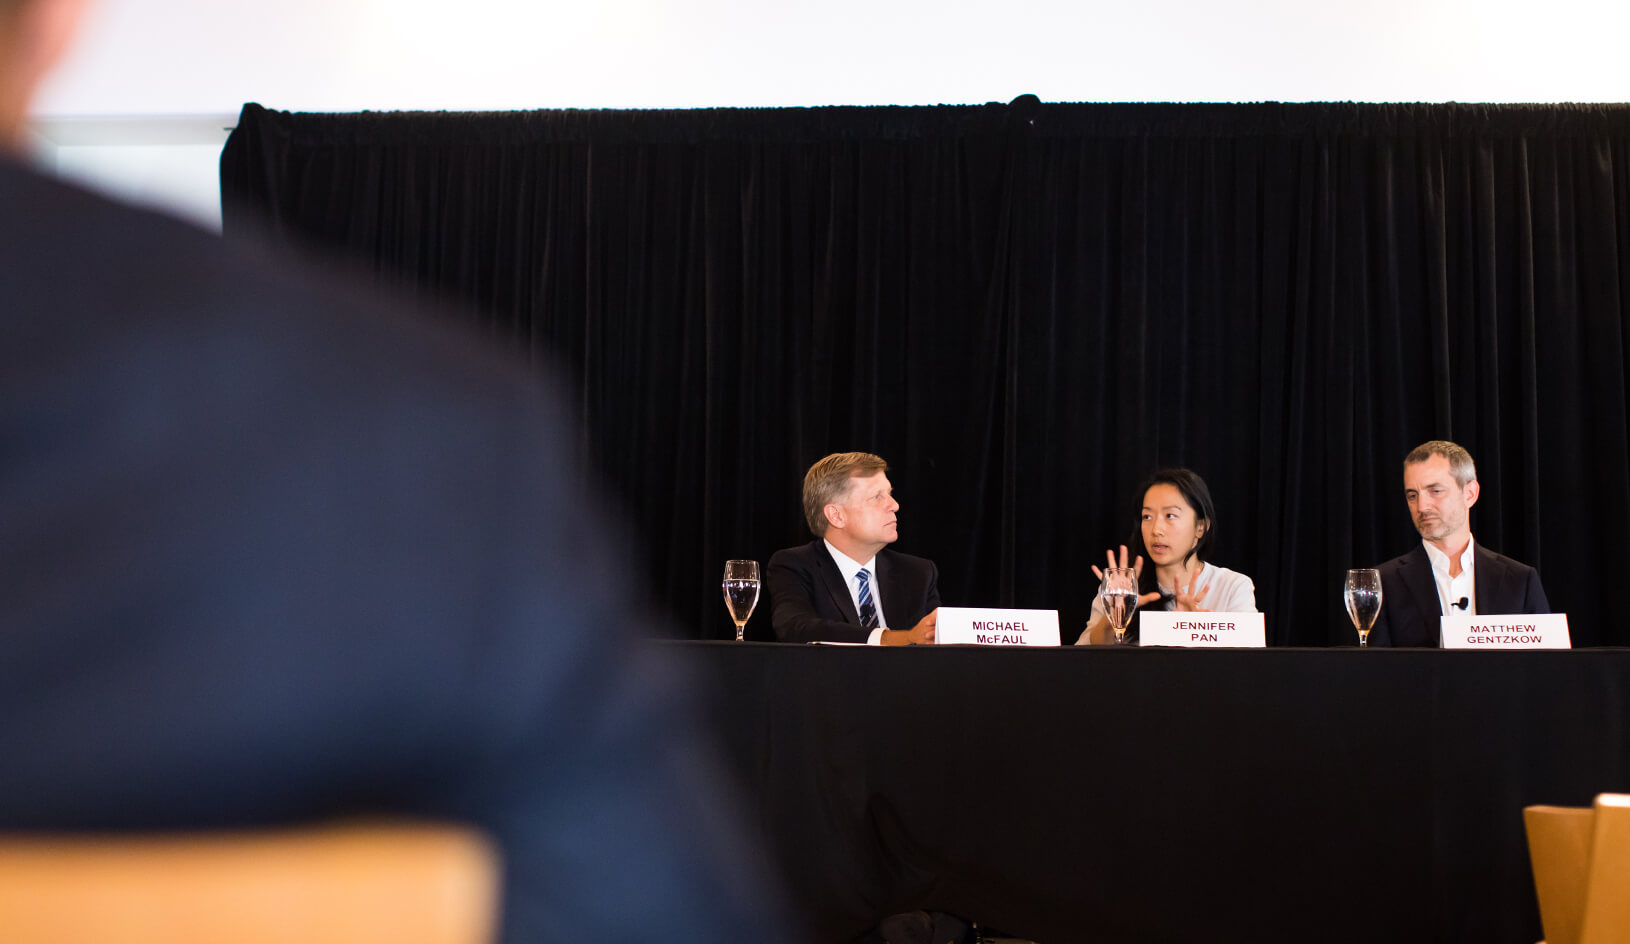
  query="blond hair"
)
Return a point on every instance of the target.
[{"x": 828, "y": 482}]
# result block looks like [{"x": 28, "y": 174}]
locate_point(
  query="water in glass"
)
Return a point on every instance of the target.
[
  {"x": 1362, "y": 594},
  {"x": 1120, "y": 598},
  {"x": 740, "y": 592}
]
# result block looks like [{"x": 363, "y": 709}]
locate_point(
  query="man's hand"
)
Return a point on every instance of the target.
[{"x": 921, "y": 634}]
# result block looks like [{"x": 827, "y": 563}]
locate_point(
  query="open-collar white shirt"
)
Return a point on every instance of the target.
[
  {"x": 849, "y": 568},
  {"x": 1453, "y": 589}
]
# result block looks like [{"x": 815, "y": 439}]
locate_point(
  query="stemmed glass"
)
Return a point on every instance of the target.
[
  {"x": 740, "y": 591},
  {"x": 1120, "y": 598},
  {"x": 1363, "y": 596}
]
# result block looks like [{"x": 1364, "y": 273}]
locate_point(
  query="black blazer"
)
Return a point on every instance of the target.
[
  {"x": 1410, "y": 608},
  {"x": 809, "y": 600}
]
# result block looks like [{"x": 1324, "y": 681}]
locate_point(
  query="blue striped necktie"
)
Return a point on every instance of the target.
[{"x": 868, "y": 612}]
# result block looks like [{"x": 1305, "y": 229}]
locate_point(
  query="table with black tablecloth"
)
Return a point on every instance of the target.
[{"x": 1123, "y": 794}]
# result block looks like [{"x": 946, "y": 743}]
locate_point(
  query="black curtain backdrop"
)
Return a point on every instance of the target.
[{"x": 1026, "y": 308}]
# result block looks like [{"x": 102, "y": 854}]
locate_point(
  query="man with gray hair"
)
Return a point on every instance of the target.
[
  {"x": 1448, "y": 569},
  {"x": 844, "y": 586}
]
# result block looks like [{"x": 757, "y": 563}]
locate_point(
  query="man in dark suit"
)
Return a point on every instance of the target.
[
  {"x": 274, "y": 552},
  {"x": 845, "y": 586},
  {"x": 1448, "y": 569}
]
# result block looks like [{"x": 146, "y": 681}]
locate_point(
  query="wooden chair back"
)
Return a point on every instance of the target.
[
  {"x": 406, "y": 884},
  {"x": 1581, "y": 861}
]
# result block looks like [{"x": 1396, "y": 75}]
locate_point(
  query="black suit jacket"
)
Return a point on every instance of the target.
[
  {"x": 1411, "y": 609},
  {"x": 809, "y": 600},
  {"x": 272, "y": 551}
]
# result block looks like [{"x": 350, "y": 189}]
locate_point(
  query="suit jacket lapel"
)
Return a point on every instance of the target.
[
  {"x": 833, "y": 578},
  {"x": 891, "y": 594},
  {"x": 1489, "y": 580},
  {"x": 1423, "y": 587}
]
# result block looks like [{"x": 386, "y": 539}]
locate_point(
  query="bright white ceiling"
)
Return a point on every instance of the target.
[
  {"x": 207, "y": 57},
  {"x": 144, "y": 103}
]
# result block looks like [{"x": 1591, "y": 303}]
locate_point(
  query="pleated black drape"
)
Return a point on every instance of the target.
[{"x": 1027, "y": 308}]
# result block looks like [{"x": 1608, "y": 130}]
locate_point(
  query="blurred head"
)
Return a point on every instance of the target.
[
  {"x": 1440, "y": 487},
  {"x": 34, "y": 35},
  {"x": 1176, "y": 521}
]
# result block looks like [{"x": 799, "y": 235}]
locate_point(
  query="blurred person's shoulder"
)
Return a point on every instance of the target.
[{"x": 90, "y": 279}]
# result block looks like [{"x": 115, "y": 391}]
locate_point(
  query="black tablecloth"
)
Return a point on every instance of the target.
[{"x": 1118, "y": 794}]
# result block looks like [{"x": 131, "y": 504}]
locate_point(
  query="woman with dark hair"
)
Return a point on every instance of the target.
[{"x": 1176, "y": 531}]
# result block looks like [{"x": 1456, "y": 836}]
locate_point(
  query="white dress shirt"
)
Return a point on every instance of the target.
[
  {"x": 1453, "y": 589},
  {"x": 849, "y": 568}
]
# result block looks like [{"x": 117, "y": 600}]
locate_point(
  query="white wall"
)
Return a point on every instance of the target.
[
  {"x": 172, "y": 164},
  {"x": 158, "y": 59}
]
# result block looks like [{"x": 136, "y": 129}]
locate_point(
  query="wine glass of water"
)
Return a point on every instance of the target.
[
  {"x": 1363, "y": 595},
  {"x": 740, "y": 591},
  {"x": 1120, "y": 598}
]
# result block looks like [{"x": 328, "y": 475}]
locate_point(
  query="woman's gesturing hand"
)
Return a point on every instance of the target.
[
  {"x": 1137, "y": 571},
  {"x": 1190, "y": 601}
]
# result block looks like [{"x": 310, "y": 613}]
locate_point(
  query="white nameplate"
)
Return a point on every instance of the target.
[
  {"x": 1520, "y": 631},
  {"x": 1202, "y": 630},
  {"x": 980, "y": 626}
]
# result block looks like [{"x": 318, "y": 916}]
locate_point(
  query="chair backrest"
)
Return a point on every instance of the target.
[
  {"x": 406, "y": 884},
  {"x": 1581, "y": 860}
]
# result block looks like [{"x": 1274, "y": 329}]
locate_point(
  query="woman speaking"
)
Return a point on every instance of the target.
[{"x": 1176, "y": 531}]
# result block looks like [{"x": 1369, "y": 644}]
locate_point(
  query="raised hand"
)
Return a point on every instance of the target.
[
  {"x": 1137, "y": 570},
  {"x": 1188, "y": 599}
]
